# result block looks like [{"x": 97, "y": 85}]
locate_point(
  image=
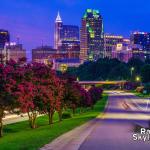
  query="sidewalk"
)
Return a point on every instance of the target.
[
  {"x": 73, "y": 139},
  {"x": 13, "y": 118}
]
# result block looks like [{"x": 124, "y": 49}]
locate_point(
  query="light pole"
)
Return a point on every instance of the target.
[{"x": 132, "y": 69}]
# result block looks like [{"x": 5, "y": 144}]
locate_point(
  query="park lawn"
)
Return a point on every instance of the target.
[
  {"x": 141, "y": 94},
  {"x": 20, "y": 136}
]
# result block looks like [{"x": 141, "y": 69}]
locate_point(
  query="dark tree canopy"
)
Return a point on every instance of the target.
[{"x": 145, "y": 73}]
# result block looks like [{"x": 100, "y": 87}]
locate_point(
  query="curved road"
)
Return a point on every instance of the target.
[{"x": 115, "y": 132}]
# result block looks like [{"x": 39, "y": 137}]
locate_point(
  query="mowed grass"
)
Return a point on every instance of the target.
[
  {"x": 20, "y": 136},
  {"x": 141, "y": 94}
]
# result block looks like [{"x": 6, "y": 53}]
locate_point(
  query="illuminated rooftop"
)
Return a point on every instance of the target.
[{"x": 58, "y": 19}]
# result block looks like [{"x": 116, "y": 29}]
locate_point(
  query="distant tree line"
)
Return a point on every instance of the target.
[{"x": 113, "y": 69}]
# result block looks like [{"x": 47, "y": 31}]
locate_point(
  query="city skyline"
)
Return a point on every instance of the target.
[{"x": 22, "y": 19}]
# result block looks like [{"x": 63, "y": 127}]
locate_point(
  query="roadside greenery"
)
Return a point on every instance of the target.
[
  {"x": 141, "y": 94},
  {"x": 35, "y": 89},
  {"x": 20, "y": 136}
]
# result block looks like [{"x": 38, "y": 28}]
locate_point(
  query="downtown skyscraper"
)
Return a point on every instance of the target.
[
  {"x": 57, "y": 34},
  {"x": 92, "y": 36},
  {"x": 64, "y": 32},
  {"x": 4, "y": 38},
  {"x": 142, "y": 40},
  {"x": 67, "y": 38}
]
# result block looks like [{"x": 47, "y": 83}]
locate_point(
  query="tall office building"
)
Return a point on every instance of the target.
[
  {"x": 57, "y": 34},
  {"x": 67, "y": 38},
  {"x": 46, "y": 54},
  {"x": 14, "y": 51},
  {"x": 92, "y": 36},
  {"x": 110, "y": 42},
  {"x": 142, "y": 39},
  {"x": 4, "y": 38},
  {"x": 72, "y": 47},
  {"x": 69, "y": 33}
]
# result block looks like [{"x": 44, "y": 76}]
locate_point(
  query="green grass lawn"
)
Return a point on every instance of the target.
[
  {"x": 19, "y": 136},
  {"x": 141, "y": 94}
]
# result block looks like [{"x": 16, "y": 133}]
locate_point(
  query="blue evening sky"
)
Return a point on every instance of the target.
[{"x": 33, "y": 20}]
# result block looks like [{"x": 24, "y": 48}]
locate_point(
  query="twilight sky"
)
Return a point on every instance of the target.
[{"x": 33, "y": 20}]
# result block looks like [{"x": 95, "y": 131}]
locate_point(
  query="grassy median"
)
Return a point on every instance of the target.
[
  {"x": 19, "y": 136},
  {"x": 141, "y": 94}
]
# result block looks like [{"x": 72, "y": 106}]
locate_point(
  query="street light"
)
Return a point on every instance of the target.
[
  {"x": 138, "y": 79},
  {"x": 132, "y": 69}
]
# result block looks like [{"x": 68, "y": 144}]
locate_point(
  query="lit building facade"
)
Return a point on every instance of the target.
[
  {"x": 122, "y": 52},
  {"x": 109, "y": 42},
  {"x": 4, "y": 38},
  {"x": 142, "y": 39},
  {"x": 69, "y": 32},
  {"x": 46, "y": 54},
  {"x": 63, "y": 64},
  {"x": 14, "y": 51},
  {"x": 67, "y": 38},
  {"x": 57, "y": 33},
  {"x": 72, "y": 48},
  {"x": 92, "y": 36},
  {"x": 138, "y": 53},
  {"x": 58, "y": 58}
]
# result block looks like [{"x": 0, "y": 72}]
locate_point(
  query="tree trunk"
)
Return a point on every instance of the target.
[
  {"x": 32, "y": 118},
  {"x": 60, "y": 115},
  {"x": 80, "y": 110},
  {"x": 50, "y": 116},
  {"x": 1, "y": 127},
  {"x": 1, "y": 122},
  {"x": 73, "y": 110}
]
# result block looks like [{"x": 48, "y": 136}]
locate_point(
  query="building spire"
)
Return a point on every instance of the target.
[{"x": 58, "y": 19}]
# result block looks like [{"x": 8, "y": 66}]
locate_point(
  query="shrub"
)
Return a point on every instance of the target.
[
  {"x": 95, "y": 93},
  {"x": 147, "y": 87},
  {"x": 66, "y": 115}
]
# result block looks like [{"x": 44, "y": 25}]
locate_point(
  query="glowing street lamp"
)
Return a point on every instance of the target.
[
  {"x": 138, "y": 79},
  {"x": 132, "y": 69}
]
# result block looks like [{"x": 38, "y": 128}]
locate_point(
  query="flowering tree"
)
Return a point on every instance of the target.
[
  {"x": 33, "y": 90},
  {"x": 53, "y": 96},
  {"x": 7, "y": 86},
  {"x": 52, "y": 89},
  {"x": 25, "y": 94},
  {"x": 95, "y": 93},
  {"x": 72, "y": 95}
]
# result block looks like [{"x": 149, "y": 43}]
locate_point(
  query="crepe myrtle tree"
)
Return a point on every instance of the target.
[
  {"x": 7, "y": 87},
  {"x": 53, "y": 92},
  {"x": 32, "y": 90},
  {"x": 71, "y": 95},
  {"x": 26, "y": 94},
  {"x": 53, "y": 97},
  {"x": 95, "y": 94}
]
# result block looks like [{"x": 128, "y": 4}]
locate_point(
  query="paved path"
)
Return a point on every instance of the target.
[
  {"x": 10, "y": 119},
  {"x": 113, "y": 131}
]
